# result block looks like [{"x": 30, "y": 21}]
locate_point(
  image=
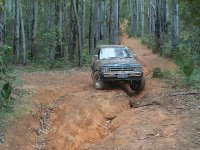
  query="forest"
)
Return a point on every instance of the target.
[{"x": 53, "y": 32}]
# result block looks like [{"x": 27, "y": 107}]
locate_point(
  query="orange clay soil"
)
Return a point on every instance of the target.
[{"x": 69, "y": 114}]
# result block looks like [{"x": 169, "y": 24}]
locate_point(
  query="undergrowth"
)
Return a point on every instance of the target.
[{"x": 12, "y": 102}]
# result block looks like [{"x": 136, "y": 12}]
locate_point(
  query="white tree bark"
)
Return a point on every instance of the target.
[
  {"x": 22, "y": 33},
  {"x": 142, "y": 18},
  {"x": 167, "y": 10}
]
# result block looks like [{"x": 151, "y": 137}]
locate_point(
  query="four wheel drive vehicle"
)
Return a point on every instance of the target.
[{"x": 116, "y": 63}]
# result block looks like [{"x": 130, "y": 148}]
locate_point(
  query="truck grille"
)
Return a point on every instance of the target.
[{"x": 122, "y": 69}]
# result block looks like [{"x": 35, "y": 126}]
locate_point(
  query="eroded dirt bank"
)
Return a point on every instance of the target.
[{"x": 70, "y": 114}]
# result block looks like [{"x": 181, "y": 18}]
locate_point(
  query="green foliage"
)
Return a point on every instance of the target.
[
  {"x": 167, "y": 49},
  {"x": 150, "y": 41},
  {"x": 7, "y": 79},
  {"x": 167, "y": 74},
  {"x": 157, "y": 73},
  {"x": 60, "y": 64},
  {"x": 86, "y": 58},
  {"x": 195, "y": 78},
  {"x": 185, "y": 63},
  {"x": 190, "y": 12},
  {"x": 5, "y": 94}
]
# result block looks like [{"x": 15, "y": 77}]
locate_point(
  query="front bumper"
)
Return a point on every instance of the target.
[{"x": 121, "y": 76}]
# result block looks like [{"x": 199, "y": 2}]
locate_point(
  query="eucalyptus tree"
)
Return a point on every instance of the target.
[
  {"x": 16, "y": 32},
  {"x": 115, "y": 23},
  {"x": 72, "y": 37},
  {"x": 34, "y": 30},
  {"x": 80, "y": 44},
  {"x": 59, "y": 23},
  {"x": 175, "y": 24},
  {"x": 4, "y": 18},
  {"x": 160, "y": 24},
  {"x": 92, "y": 26},
  {"x": 22, "y": 33},
  {"x": 142, "y": 17},
  {"x": 133, "y": 20}
]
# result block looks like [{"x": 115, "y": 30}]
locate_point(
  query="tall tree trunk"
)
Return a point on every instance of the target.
[
  {"x": 80, "y": 51},
  {"x": 110, "y": 20},
  {"x": 132, "y": 16},
  {"x": 59, "y": 48},
  {"x": 97, "y": 23},
  {"x": 16, "y": 32},
  {"x": 22, "y": 33},
  {"x": 91, "y": 26},
  {"x": 65, "y": 29},
  {"x": 34, "y": 30},
  {"x": 106, "y": 28},
  {"x": 167, "y": 10},
  {"x": 153, "y": 11},
  {"x": 72, "y": 34},
  {"x": 160, "y": 24},
  {"x": 50, "y": 23},
  {"x": 115, "y": 23},
  {"x": 137, "y": 15},
  {"x": 149, "y": 17},
  {"x": 4, "y": 22},
  {"x": 28, "y": 23},
  {"x": 83, "y": 10},
  {"x": 175, "y": 24},
  {"x": 157, "y": 26},
  {"x": 142, "y": 18}
]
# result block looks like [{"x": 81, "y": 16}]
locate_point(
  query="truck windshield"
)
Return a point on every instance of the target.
[{"x": 121, "y": 52}]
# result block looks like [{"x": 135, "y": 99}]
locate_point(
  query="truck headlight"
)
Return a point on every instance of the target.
[
  {"x": 105, "y": 69},
  {"x": 138, "y": 69}
]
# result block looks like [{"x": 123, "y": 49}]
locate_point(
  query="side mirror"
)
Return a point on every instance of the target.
[
  {"x": 96, "y": 56},
  {"x": 135, "y": 55}
]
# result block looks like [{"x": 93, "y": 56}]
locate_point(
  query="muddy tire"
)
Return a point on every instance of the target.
[
  {"x": 98, "y": 83},
  {"x": 138, "y": 85}
]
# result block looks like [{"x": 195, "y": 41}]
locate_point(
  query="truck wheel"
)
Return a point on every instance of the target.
[
  {"x": 138, "y": 85},
  {"x": 98, "y": 83}
]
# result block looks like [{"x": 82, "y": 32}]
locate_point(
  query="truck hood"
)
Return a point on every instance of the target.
[{"x": 120, "y": 62}]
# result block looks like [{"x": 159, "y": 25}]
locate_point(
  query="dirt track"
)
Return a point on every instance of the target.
[{"x": 76, "y": 116}]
